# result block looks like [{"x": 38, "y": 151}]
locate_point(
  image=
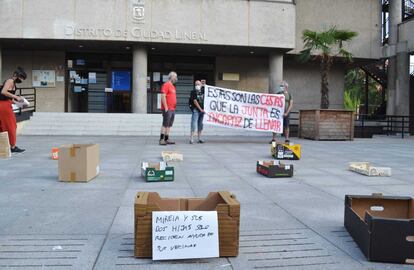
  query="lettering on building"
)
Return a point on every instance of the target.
[{"x": 135, "y": 33}]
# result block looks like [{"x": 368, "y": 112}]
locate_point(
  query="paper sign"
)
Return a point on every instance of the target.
[
  {"x": 164, "y": 78},
  {"x": 70, "y": 63},
  {"x": 60, "y": 78},
  {"x": 184, "y": 235},
  {"x": 92, "y": 77},
  {"x": 156, "y": 76},
  {"x": 243, "y": 110},
  {"x": 108, "y": 90}
]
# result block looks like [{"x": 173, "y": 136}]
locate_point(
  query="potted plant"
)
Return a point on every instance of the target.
[{"x": 325, "y": 124}]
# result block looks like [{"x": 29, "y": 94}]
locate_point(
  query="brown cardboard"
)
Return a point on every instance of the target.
[
  {"x": 382, "y": 226},
  {"x": 226, "y": 205},
  {"x": 78, "y": 162},
  {"x": 4, "y": 145}
]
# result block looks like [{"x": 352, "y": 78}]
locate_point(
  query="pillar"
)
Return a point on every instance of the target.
[
  {"x": 139, "y": 81},
  {"x": 275, "y": 70},
  {"x": 1, "y": 66},
  {"x": 395, "y": 17},
  {"x": 402, "y": 89}
]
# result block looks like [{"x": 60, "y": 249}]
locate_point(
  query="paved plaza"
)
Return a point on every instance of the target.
[{"x": 289, "y": 223}]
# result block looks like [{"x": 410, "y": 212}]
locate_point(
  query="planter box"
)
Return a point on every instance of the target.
[
  {"x": 335, "y": 125},
  {"x": 227, "y": 207},
  {"x": 365, "y": 168},
  {"x": 383, "y": 227},
  {"x": 274, "y": 169}
]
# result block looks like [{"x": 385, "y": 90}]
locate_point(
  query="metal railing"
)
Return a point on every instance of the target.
[
  {"x": 28, "y": 93},
  {"x": 383, "y": 125}
]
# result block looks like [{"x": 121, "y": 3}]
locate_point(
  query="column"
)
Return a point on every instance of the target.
[
  {"x": 395, "y": 17},
  {"x": 139, "y": 81},
  {"x": 402, "y": 89},
  {"x": 1, "y": 66},
  {"x": 275, "y": 70}
]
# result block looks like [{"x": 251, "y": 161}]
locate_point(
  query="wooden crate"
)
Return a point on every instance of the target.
[
  {"x": 326, "y": 124},
  {"x": 227, "y": 207}
]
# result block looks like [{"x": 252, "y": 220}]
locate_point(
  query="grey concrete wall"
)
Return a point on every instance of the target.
[
  {"x": 48, "y": 99},
  {"x": 406, "y": 33},
  {"x": 230, "y": 22},
  {"x": 305, "y": 84},
  {"x": 304, "y": 80},
  {"x": 363, "y": 17}
]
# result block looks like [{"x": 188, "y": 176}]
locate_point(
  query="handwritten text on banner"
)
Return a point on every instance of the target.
[{"x": 244, "y": 110}]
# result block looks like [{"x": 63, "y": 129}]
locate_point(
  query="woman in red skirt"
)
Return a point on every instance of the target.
[{"x": 7, "y": 98}]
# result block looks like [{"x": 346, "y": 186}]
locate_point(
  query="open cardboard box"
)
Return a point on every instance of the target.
[
  {"x": 226, "y": 205},
  {"x": 157, "y": 171},
  {"x": 274, "y": 169},
  {"x": 285, "y": 151},
  {"x": 171, "y": 156},
  {"x": 365, "y": 168},
  {"x": 382, "y": 226}
]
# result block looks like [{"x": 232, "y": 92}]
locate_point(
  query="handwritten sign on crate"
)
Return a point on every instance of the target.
[{"x": 184, "y": 235}]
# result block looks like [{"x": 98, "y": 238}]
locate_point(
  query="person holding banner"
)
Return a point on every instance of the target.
[
  {"x": 196, "y": 103},
  {"x": 283, "y": 89},
  {"x": 168, "y": 105}
]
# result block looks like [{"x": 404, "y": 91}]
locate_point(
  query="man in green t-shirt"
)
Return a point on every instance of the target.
[{"x": 283, "y": 89}]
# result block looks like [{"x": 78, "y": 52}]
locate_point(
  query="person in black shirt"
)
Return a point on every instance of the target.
[
  {"x": 7, "y": 98},
  {"x": 196, "y": 103}
]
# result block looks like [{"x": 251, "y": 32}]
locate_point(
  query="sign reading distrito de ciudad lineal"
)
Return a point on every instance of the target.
[{"x": 137, "y": 13}]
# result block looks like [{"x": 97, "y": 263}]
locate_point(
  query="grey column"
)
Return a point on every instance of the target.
[
  {"x": 402, "y": 90},
  {"x": 1, "y": 66},
  {"x": 395, "y": 17},
  {"x": 275, "y": 70},
  {"x": 139, "y": 82}
]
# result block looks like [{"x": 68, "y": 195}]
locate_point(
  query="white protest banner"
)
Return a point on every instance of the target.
[
  {"x": 243, "y": 110},
  {"x": 184, "y": 235}
]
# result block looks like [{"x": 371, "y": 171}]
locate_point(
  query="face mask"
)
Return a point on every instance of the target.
[
  {"x": 198, "y": 87},
  {"x": 18, "y": 80}
]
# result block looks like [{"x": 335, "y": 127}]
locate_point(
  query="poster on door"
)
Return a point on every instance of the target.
[{"x": 243, "y": 110}]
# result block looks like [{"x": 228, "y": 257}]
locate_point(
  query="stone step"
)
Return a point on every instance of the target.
[{"x": 95, "y": 124}]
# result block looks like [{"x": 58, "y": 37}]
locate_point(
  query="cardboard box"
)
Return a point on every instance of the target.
[
  {"x": 226, "y": 205},
  {"x": 285, "y": 151},
  {"x": 383, "y": 227},
  {"x": 365, "y": 168},
  {"x": 157, "y": 171},
  {"x": 274, "y": 169},
  {"x": 5, "y": 151},
  {"x": 168, "y": 156},
  {"x": 78, "y": 162}
]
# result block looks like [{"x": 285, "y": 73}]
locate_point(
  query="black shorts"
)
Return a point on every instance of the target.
[
  {"x": 286, "y": 121},
  {"x": 168, "y": 118}
]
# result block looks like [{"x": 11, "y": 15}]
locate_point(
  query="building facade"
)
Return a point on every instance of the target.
[{"x": 113, "y": 55}]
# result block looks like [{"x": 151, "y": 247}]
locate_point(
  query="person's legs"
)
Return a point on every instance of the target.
[
  {"x": 8, "y": 121},
  {"x": 163, "y": 128},
  {"x": 194, "y": 117},
  {"x": 200, "y": 127},
  {"x": 171, "y": 116},
  {"x": 286, "y": 128}
]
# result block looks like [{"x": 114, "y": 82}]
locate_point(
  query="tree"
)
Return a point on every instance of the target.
[{"x": 325, "y": 47}]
